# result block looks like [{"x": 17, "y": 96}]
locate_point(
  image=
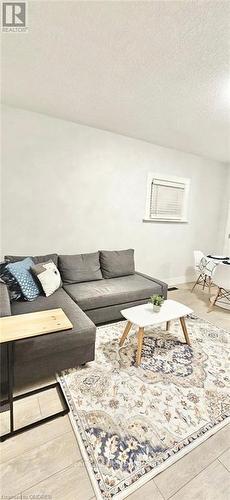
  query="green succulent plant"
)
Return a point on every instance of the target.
[{"x": 156, "y": 300}]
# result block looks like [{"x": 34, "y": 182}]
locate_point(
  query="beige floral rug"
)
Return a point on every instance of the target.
[{"x": 132, "y": 423}]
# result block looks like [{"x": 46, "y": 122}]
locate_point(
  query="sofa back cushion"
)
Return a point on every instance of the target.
[
  {"x": 79, "y": 268},
  {"x": 38, "y": 259},
  {"x": 117, "y": 263}
]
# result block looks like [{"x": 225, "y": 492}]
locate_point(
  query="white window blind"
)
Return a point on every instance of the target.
[{"x": 167, "y": 198}]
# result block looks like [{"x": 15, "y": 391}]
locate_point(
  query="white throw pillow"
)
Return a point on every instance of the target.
[{"x": 48, "y": 275}]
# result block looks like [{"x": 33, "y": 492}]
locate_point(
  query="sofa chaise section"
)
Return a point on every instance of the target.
[
  {"x": 38, "y": 358},
  {"x": 83, "y": 331}
]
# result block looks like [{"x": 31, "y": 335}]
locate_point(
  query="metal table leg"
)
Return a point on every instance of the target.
[
  {"x": 10, "y": 367},
  {"x": 11, "y": 398}
]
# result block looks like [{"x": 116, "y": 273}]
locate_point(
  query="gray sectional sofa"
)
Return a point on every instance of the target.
[{"x": 86, "y": 301}]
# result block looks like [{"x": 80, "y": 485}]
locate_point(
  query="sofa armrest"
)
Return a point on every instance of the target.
[
  {"x": 5, "y": 309},
  {"x": 164, "y": 286}
]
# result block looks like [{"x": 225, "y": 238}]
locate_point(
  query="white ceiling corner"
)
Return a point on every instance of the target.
[{"x": 157, "y": 71}]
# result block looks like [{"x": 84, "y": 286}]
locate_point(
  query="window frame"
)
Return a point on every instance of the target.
[{"x": 173, "y": 179}]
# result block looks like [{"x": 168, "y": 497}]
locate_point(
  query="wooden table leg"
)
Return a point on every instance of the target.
[
  {"x": 167, "y": 325},
  {"x": 139, "y": 346},
  {"x": 125, "y": 333},
  {"x": 185, "y": 331}
]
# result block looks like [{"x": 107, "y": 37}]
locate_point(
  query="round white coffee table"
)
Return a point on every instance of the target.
[{"x": 143, "y": 316}]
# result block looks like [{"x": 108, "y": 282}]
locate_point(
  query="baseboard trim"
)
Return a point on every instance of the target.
[{"x": 179, "y": 280}]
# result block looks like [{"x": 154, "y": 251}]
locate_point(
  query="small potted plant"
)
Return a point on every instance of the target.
[{"x": 156, "y": 301}]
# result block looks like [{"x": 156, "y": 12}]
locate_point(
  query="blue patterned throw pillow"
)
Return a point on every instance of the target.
[{"x": 21, "y": 272}]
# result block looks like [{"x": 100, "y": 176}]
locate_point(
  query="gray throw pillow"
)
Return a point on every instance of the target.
[
  {"x": 117, "y": 263},
  {"x": 37, "y": 259},
  {"x": 79, "y": 268}
]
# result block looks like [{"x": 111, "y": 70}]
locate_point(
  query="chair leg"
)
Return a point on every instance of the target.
[
  {"x": 209, "y": 284},
  {"x": 214, "y": 301},
  {"x": 204, "y": 283},
  {"x": 196, "y": 283}
]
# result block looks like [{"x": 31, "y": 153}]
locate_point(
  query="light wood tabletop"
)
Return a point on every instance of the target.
[{"x": 24, "y": 326}]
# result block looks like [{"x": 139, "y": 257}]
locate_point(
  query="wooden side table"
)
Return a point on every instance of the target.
[{"x": 25, "y": 326}]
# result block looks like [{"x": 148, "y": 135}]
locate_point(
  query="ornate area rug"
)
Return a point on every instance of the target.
[{"x": 132, "y": 423}]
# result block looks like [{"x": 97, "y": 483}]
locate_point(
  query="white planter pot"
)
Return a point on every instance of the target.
[{"x": 156, "y": 308}]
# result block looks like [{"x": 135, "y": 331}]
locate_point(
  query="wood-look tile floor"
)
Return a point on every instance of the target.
[{"x": 45, "y": 462}]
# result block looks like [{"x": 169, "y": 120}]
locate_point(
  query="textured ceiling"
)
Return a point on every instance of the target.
[{"x": 157, "y": 71}]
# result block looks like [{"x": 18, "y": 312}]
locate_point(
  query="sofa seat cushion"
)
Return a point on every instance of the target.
[
  {"x": 107, "y": 292},
  {"x": 82, "y": 333}
]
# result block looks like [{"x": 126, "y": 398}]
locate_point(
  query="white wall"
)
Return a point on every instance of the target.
[
  {"x": 68, "y": 188},
  {"x": 226, "y": 215}
]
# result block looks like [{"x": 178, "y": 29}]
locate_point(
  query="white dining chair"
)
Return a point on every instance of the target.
[
  {"x": 221, "y": 278},
  {"x": 205, "y": 268}
]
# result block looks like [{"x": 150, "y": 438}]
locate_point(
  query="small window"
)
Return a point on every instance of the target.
[{"x": 167, "y": 198}]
